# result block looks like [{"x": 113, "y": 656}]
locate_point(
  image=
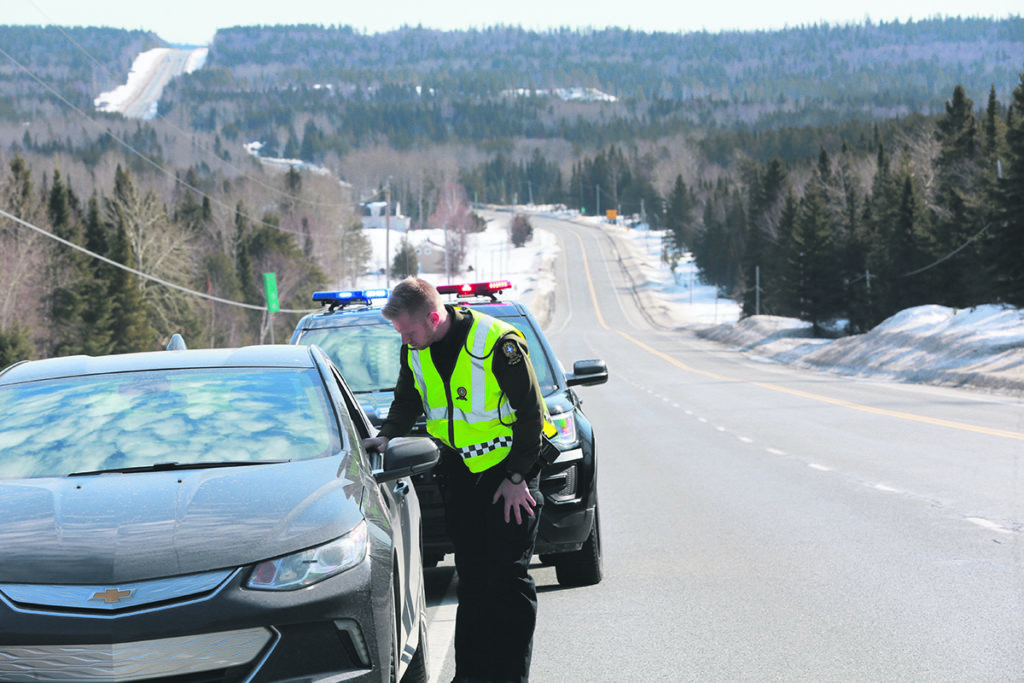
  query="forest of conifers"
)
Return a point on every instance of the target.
[{"x": 822, "y": 172}]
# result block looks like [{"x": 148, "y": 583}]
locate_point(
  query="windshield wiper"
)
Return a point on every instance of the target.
[{"x": 169, "y": 466}]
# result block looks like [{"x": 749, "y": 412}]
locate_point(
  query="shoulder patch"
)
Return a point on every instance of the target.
[{"x": 511, "y": 351}]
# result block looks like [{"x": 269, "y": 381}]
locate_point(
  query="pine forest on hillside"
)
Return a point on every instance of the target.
[{"x": 823, "y": 172}]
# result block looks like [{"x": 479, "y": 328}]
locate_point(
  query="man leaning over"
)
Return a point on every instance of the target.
[{"x": 470, "y": 375}]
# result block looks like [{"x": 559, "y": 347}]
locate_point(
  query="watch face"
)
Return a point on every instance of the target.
[{"x": 515, "y": 478}]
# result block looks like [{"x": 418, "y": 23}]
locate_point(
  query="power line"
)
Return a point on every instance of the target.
[
  {"x": 173, "y": 125},
  {"x": 950, "y": 254},
  {"x": 145, "y": 276}
]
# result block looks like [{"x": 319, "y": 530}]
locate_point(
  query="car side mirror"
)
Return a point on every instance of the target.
[
  {"x": 407, "y": 456},
  {"x": 587, "y": 373}
]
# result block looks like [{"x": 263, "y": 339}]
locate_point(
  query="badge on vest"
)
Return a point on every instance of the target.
[
  {"x": 511, "y": 351},
  {"x": 461, "y": 394}
]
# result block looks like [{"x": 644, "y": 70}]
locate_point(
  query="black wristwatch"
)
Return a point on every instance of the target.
[{"x": 515, "y": 477}]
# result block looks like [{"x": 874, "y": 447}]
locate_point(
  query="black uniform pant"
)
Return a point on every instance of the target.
[{"x": 497, "y": 609}]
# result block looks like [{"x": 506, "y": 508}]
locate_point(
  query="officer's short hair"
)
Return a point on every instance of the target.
[{"x": 412, "y": 295}]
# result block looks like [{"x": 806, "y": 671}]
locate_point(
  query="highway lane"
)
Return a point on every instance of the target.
[{"x": 766, "y": 523}]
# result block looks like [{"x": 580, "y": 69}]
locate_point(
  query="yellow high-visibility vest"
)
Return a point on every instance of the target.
[{"x": 469, "y": 413}]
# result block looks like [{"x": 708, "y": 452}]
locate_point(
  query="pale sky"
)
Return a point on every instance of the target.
[{"x": 194, "y": 21}]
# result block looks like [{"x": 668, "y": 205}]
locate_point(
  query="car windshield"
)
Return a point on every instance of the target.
[
  {"x": 167, "y": 417},
  {"x": 369, "y": 355}
]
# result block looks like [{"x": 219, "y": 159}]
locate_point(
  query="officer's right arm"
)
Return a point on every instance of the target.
[{"x": 406, "y": 406}]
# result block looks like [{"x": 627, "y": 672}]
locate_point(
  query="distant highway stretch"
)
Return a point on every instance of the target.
[{"x": 146, "y": 85}]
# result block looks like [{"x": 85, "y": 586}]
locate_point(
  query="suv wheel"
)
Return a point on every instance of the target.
[{"x": 583, "y": 567}]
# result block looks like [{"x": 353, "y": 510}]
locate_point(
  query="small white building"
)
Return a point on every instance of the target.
[
  {"x": 375, "y": 216},
  {"x": 430, "y": 256}
]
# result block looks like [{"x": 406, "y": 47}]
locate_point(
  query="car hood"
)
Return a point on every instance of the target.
[{"x": 115, "y": 528}]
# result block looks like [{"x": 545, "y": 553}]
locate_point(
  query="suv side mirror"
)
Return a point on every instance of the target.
[
  {"x": 587, "y": 373},
  {"x": 407, "y": 456}
]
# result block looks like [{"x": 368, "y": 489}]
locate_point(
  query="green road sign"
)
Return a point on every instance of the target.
[{"x": 270, "y": 286}]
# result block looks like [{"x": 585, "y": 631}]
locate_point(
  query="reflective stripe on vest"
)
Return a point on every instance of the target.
[{"x": 480, "y": 423}]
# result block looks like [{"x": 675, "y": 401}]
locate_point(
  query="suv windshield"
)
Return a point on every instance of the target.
[
  {"x": 369, "y": 355},
  {"x": 141, "y": 419}
]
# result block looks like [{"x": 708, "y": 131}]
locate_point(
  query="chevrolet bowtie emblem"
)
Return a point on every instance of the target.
[{"x": 112, "y": 595}]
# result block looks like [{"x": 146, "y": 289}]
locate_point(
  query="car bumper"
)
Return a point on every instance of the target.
[
  {"x": 328, "y": 631},
  {"x": 565, "y": 520}
]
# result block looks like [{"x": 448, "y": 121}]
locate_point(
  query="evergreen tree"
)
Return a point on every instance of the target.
[
  {"x": 69, "y": 273},
  {"x": 779, "y": 285},
  {"x": 97, "y": 313},
  {"x": 15, "y": 345},
  {"x": 130, "y": 326},
  {"x": 961, "y": 277},
  {"x": 1008, "y": 229},
  {"x": 816, "y": 284},
  {"x": 767, "y": 197},
  {"x": 405, "y": 262},
  {"x": 679, "y": 217}
]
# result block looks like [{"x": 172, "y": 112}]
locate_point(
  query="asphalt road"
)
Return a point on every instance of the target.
[
  {"x": 766, "y": 523},
  {"x": 142, "y": 103}
]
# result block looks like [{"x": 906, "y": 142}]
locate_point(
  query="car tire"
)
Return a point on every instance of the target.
[
  {"x": 393, "y": 672},
  {"x": 416, "y": 672},
  {"x": 582, "y": 567}
]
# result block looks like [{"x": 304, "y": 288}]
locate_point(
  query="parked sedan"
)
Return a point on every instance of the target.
[{"x": 194, "y": 516}]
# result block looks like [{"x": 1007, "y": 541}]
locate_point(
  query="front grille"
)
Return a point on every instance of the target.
[{"x": 188, "y": 659}]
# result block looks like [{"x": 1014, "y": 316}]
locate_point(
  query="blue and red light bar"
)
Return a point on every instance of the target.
[
  {"x": 468, "y": 289},
  {"x": 350, "y": 297}
]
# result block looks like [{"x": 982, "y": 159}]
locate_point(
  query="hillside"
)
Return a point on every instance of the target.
[{"x": 419, "y": 86}]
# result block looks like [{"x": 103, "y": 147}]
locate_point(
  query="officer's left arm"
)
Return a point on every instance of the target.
[{"x": 516, "y": 377}]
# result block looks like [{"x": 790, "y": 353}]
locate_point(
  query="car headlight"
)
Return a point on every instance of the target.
[
  {"x": 310, "y": 566},
  {"x": 565, "y": 426}
]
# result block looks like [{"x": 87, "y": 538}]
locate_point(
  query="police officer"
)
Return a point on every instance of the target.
[{"x": 470, "y": 375}]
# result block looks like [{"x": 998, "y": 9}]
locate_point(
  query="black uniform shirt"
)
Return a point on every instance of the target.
[{"x": 512, "y": 370}]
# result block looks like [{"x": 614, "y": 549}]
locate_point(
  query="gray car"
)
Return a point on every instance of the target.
[{"x": 195, "y": 516}]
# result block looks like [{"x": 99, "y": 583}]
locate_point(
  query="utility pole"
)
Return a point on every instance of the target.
[
  {"x": 598, "y": 201},
  {"x": 757, "y": 290},
  {"x": 387, "y": 234}
]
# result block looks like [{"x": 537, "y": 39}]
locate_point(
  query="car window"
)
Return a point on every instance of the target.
[
  {"x": 138, "y": 419},
  {"x": 368, "y": 356}
]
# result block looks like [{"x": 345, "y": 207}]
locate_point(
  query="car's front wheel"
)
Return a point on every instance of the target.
[{"x": 582, "y": 567}]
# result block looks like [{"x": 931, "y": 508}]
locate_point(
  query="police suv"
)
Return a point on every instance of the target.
[{"x": 366, "y": 348}]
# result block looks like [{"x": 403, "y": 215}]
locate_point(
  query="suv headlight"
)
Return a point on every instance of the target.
[
  {"x": 565, "y": 426},
  {"x": 310, "y": 566}
]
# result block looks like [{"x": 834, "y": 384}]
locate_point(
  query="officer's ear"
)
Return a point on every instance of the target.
[{"x": 434, "y": 317}]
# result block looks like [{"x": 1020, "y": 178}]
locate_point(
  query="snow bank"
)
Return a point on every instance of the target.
[{"x": 981, "y": 347}]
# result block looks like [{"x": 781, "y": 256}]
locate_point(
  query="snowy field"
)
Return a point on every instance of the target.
[{"x": 981, "y": 348}]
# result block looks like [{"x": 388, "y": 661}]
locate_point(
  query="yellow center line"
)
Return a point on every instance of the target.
[{"x": 951, "y": 424}]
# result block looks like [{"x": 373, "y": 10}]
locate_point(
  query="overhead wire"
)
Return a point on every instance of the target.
[
  {"x": 139, "y": 273},
  {"x": 241, "y": 172},
  {"x": 121, "y": 141}
]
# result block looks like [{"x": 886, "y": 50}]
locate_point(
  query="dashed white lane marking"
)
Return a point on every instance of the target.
[
  {"x": 820, "y": 468},
  {"x": 745, "y": 439},
  {"x": 986, "y": 524},
  {"x": 776, "y": 451},
  {"x": 884, "y": 488}
]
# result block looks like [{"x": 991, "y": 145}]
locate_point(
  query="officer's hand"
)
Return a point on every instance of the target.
[
  {"x": 376, "y": 443},
  {"x": 517, "y": 498}
]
